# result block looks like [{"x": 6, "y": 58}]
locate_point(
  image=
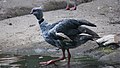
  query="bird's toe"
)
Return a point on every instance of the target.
[
  {"x": 67, "y": 8},
  {"x": 73, "y": 8},
  {"x": 47, "y": 62}
]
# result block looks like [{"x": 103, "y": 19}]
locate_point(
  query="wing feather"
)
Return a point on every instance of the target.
[{"x": 69, "y": 28}]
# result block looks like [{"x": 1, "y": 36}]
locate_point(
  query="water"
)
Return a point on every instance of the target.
[
  {"x": 26, "y": 61},
  {"x": 32, "y": 61}
]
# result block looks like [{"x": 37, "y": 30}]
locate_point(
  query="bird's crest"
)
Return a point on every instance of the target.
[{"x": 36, "y": 8}]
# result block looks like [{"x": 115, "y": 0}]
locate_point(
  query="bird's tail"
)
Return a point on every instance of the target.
[
  {"x": 81, "y": 39},
  {"x": 88, "y": 31},
  {"x": 85, "y": 22}
]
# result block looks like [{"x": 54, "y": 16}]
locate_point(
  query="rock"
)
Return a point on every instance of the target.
[
  {"x": 112, "y": 58},
  {"x": 117, "y": 66},
  {"x": 10, "y": 23},
  {"x": 108, "y": 67}
]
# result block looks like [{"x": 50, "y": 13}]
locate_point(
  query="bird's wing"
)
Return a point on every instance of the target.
[
  {"x": 53, "y": 25},
  {"x": 85, "y": 22},
  {"x": 69, "y": 28},
  {"x": 88, "y": 31},
  {"x": 63, "y": 36},
  {"x": 68, "y": 24}
]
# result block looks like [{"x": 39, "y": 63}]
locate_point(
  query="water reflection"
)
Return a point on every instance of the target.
[
  {"x": 32, "y": 61},
  {"x": 16, "y": 61}
]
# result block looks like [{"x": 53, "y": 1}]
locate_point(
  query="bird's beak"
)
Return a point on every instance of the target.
[{"x": 31, "y": 12}]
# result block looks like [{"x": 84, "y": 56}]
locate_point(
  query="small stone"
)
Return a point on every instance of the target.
[
  {"x": 31, "y": 25},
  {"x": 10, "y": 24}
]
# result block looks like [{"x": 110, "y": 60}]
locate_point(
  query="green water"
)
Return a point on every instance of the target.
[
  {"x": 32, "y": 61},
  {"x": 17, "y": 61}
]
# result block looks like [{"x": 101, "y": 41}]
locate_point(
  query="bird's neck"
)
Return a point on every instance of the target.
[
  {"x": 43, "y": 25},
  {"x": 41, "y": 20}
]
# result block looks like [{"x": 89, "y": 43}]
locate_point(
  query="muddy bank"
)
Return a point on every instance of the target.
[{"x": 13, "y": 8}]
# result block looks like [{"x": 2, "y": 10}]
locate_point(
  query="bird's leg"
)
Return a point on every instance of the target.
[
  {"x": 69, "y": 56},
  {"x": 53, "y": 61},
  {"x": 67, "y": 7},
  {"x": 75, "y": 5}
]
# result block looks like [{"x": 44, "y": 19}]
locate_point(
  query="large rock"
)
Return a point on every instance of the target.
[
  {"x": 112, "y": 58},
  {"x": 108, "y": 67}
]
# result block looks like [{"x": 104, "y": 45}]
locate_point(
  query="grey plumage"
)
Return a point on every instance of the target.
[
  {"x": 70, "y": 27},
  {"x": 64, "y": 34}
]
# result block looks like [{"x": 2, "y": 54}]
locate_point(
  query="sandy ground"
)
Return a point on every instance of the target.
[{"x": 21, "y": 33}]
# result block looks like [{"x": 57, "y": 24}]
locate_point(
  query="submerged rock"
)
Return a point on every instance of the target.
[
  {"x": 112, "y": 58},
  {"x": 108, "y": 67}
]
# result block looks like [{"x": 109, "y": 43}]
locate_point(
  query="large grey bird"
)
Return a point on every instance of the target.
[{"x": 64, "y": 34}]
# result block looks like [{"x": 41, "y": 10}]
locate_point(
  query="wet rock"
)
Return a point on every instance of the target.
[
  {"x": 108, "y": 67},
  {"x": 117, "y": 66},
  {"x": 112, "y": 58}
]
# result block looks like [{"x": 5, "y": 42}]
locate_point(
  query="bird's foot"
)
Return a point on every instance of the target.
[
  {"x": 73, "y": 8},
  {"x": 67, "y": 8},
  {"x": 51, "y": 61},
  {"x": 47, "y": 62}
]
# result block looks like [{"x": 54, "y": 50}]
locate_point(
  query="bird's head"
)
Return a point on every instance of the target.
[{"x": 37, "y": 11}]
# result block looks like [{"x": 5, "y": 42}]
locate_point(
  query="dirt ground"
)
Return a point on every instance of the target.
[{"x": 23, "y": 7}]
